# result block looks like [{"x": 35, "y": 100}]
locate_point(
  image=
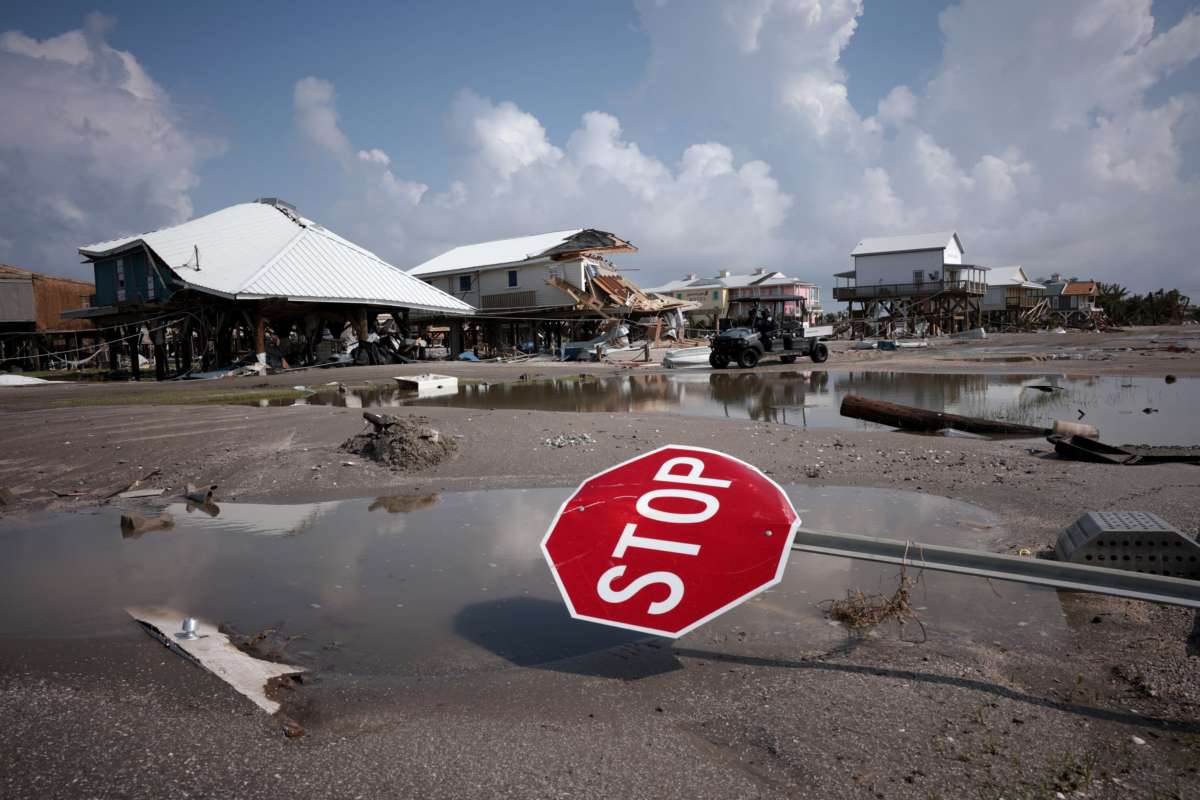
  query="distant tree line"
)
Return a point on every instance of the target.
[{"x": 1163, "y": 307}]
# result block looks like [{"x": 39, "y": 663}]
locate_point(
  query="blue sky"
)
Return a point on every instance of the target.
[{"x": 801, "y": 98}]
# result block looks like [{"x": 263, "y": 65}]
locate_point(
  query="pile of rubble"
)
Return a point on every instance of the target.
[{"x": 402, "y": 443}]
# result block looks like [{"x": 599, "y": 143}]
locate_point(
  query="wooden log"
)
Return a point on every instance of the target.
[{"x": 920, "y": 419}]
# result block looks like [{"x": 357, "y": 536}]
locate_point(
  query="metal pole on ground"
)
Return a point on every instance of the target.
[{"x": 1040, "y": 572}]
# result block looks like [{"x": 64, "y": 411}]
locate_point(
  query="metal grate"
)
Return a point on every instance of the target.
[{"x": 1131, "y": 540}]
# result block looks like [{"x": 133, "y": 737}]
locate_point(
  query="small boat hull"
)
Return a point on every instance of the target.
[{"x": 686, "y": 357}]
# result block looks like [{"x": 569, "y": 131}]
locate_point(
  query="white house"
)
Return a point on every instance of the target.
[{"x": 918, "y": 278}]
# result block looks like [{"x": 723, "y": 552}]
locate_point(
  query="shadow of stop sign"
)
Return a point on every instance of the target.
[{"x": 666, "y": 541}]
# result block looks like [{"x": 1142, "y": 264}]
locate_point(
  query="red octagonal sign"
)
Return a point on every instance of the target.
[{"x": 668, "y": 540}]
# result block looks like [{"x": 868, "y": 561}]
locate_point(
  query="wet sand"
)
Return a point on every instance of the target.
[{"x": 770, "y": 711}]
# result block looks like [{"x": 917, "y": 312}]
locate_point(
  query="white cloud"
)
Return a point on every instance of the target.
[
  {"x": 1035, "y": 137},
  {"x": 1042, "y": 136},
  {"x": 513, "y": 180},
  {"x": 899, "y": 106},
  {"x": 502, "y": 137},
  {"x": 315, "y": 105},
  {"x": 374, "y": 156},
  {"x": 90, "y": 147}
]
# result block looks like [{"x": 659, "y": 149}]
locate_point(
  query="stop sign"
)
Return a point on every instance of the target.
[{"x": 668, "y": 540}]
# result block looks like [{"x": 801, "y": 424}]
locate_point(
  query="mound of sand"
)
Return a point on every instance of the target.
[{"x": 402, "y": 443}]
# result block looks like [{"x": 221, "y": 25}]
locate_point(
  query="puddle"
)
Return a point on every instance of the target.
[
  {"x": 811, "y": 399},
  {"x": 458, "y": 585}
]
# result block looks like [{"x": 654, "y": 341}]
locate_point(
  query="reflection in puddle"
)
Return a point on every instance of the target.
[
  {"x": 460, "y": 585},
  {"x": 806, "y": 398},
  {"x": 403, "y": 503}
]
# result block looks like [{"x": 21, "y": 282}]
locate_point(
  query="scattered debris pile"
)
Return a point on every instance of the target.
[
  {"x": 403, "y": 443},
  {"x": 268, "y": 644},
  {"x": 569, "y": 440}
]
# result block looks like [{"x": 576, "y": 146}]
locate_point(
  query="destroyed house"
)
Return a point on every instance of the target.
[
  {"x": 31, "y": 317},
  {"x": 250, "y": 267},
  {"x": 528, "y": 289},
  {"x": 1011, "y": 298},
  {"x": 1072, "y": 301},
  {"x": 529, "y": 273}
]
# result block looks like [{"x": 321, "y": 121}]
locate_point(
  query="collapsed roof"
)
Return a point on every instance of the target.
[
  {"x": 264, "y": 250},
  {"x": 506, "y": 252},
  {"x": 609, "y": 294}
]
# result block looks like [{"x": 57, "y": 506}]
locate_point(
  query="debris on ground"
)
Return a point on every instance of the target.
[
  {"x": 568, "y": 440},
  {"x": 134, "y": 494},
  {"x": 1121, "y": 539},
  {"x": 268, "y": 644},
  {"x": 134, "y": 525},
  {"x": 213, "y": 650},
  {"x": 21, "y": 380},
  {"x": 201, "y": 496},
  {"x": 404, "y": 503},
  {"x": 131, "y": 486},
  {"x": 403, "y": 443},
  {"x": 1081, "y": 448},
  {"x": 859, "y": 611}
]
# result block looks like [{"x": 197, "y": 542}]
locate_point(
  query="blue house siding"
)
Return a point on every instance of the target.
[{"x": 127, "y": 278}]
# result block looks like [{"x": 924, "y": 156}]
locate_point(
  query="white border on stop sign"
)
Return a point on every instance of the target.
[{"x": 785, "y": 553}]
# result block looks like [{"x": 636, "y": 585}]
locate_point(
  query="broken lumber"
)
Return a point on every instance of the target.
[
  {"x": 919, "y": 419},
  {"x": 212, "y": 650}
]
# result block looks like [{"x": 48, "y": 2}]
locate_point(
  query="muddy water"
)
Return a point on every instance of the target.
[
  {"x": 456, "y": 583},
  {"x": 1117, "y": 405}
]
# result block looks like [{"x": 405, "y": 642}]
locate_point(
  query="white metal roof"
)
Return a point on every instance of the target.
[
  {"x": 674, "y": 286},
  {"x": 486, "y": 254},
  {"x": 906, "y": 244},
  {"x": 1010, "y": 276},
  {"x": 255, "y": 250}
]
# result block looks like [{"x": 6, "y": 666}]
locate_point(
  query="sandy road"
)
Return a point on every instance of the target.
[{"x": 756, "y": 716}]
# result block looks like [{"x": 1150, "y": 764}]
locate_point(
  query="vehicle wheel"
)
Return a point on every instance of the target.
[
  {"x": 748, "y": 358},
  {"x": 718, "y": 361},
  {"x": 788, "y": 359},
  {"x": 820, "y": 353}
]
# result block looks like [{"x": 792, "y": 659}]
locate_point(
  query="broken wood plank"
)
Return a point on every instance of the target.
[
  {"x": 135, "y": 493},
  {"x": 212, "y": 650}
]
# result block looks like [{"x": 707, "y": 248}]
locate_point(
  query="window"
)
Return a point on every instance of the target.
[
  {"x": 512, "y": 279},
  {"x": 716, "y": 295},
  {"x": 679, "y": 295},
  {"x": 120, "y": 279},
  {"x": 918, "y": 276},
  {"x": 464, "y": 283}
]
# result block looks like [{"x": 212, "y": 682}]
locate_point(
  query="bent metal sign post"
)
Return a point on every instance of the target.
[{"x": 667, "y": 541}]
